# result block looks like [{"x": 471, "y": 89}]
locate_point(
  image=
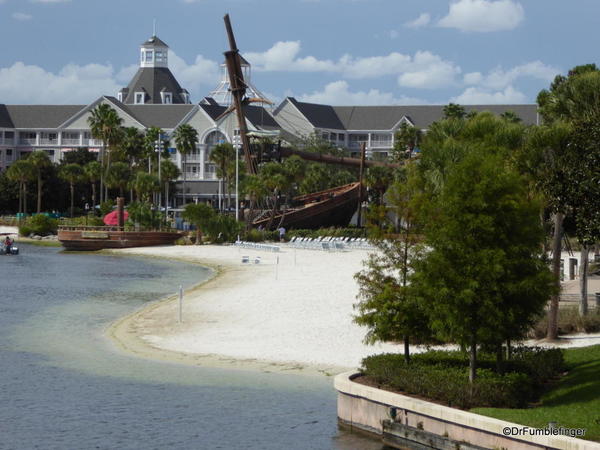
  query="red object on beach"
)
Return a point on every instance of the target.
[{"x": 112, "y": 218}]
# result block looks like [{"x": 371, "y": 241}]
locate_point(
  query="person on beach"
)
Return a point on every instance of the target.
[
  {"x": 281, "y": 233},
  {"x": 7, "y": 244}
]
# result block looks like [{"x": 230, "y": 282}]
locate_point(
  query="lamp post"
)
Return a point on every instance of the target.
[{"x": 236, "y": 146}]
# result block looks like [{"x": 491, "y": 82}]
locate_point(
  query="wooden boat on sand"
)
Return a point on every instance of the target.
[
  {"x": 97, "y": 238},
  {"x": 330, "y": 208}
]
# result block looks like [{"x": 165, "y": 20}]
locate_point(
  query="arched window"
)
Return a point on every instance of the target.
[{"x": 211, "y": 140}]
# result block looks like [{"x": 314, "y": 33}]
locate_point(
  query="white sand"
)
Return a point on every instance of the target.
[{"x": 294, "y": 315}]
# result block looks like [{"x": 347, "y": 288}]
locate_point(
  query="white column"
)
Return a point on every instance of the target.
[
  {"x": 202, "y": 154},
  {"x": 81, "y": 134},
  {"x": 37, "y": 138}
]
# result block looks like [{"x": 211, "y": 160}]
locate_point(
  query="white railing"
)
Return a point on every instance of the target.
[
  {"x": 46, "y": 141},
  {"x": 27, "y": 141},
  {"x": 9, "y": 141},
  {"x": 66, "y": 141}
]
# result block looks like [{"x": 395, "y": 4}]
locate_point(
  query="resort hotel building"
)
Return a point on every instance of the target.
[{"x": 154, "y": 98}]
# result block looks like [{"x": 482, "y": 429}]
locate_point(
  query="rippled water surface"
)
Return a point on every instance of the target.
[{"x": 63, "y": 385}]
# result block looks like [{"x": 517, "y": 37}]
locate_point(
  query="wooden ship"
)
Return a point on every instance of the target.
[
  {"x": 332, "y": 207},
  {"x": 86, "y": 238}
]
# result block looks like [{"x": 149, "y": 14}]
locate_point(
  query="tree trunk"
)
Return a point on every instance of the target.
[
  {"x": 198, "y": 236},
  {"x": 21, "y": 197},
  {"x": 94, "y": 197},
  {"x": 39, "y": 193},
  {"x": 72, "y": 198},
  {"x": 583, "y": 280},
  {"x": 556, "y": 247},
  {"x": 24, "y": 198},
  {"x": 101, "y": 171},
  {"x": 508, "y": 350},
  {"x": 407, "y": 349},
  {"x": 499, "y": 359},
  {"x": 473, "y": 360}
]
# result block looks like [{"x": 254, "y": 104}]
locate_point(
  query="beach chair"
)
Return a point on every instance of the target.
[
  {"x": 257, "y": 260},
  {"x": 245, "y": 259}
]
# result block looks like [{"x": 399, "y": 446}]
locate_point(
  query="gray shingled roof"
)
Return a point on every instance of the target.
[
  {"x": 154, "y": 41},
  {"x": 385, "y": 117},
  {"x": 257, "y": 115},
  {"x": 162, "y": 116},
  {"x": 320, "y": 116},
  {"x": 37, "y": 116},
  {"x": 153, "y": 80}
]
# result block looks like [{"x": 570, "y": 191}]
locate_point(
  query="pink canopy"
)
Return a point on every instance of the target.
[{"x": 112, "y": 218}]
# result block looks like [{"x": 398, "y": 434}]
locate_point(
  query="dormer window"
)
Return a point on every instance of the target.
[
  {"x": 186, "y": 97},
  {"x": 160, "y": 56},
  {"x": 149, "y": 55},
  {"x": 166, "y": 97},
  {"x": 120, "y": 96},
  {"x": 140, "y": 98}
]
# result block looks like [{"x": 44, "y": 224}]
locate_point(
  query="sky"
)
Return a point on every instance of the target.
[{"x": 338, "y": 52}]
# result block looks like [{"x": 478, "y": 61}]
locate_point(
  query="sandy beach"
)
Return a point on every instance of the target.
[{"x": 294, "y": 313}]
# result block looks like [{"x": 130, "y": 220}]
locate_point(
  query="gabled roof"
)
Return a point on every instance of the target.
[
  {"x": 154, "y": 41},
  {"x": 387, "y": 117},
  {"x": 162, "y": 116},
  {"x": 36, "y": 116},
  {"x": 320, "y": 116},
  {"x": 256, "y": 115},
  {"x": 152, "y": 80}
]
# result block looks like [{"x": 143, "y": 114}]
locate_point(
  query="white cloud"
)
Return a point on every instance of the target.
[
  {"x": 338, "y": 93},
  {"x": 201, "y": 73},
  {"x": 479, "y": 96},
  {"x": 22, "y": 83},
  {"x": 419, "y": 22},
  {"x": 21, "y": 16},
  {"x": 483, "y": 15},
  {"x": 429, "y": 71},
  {"x": 423, "y": 70},
  {"x": 499, "y": 78}
]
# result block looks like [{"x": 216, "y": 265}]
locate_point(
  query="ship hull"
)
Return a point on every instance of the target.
[{"x": 86, "y": 239}]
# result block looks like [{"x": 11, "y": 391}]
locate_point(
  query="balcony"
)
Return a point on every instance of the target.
[
  {"x": 381, "y": 143},
  {"x": 48, "y": 141},
  {"x": 27, "y": 141},
  {"x": 66, "y": 141},
  {"x": 8, "y": 141}
]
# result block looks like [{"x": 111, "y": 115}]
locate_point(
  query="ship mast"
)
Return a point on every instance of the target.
[{"x": 238, "y": 91}]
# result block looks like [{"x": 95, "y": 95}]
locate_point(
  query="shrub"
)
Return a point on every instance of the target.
[
  {"x": 254, "y": 235},
  {"x": 106, "y": 207},
  {"x": 569, "y": 321},
  {"x": 39, "y": 224},
  {"x": 443, "y": 376}
]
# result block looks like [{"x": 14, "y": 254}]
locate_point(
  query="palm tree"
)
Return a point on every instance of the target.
[
  {"x": 255, "y": 190},
  {"x": 223, "y": 157},
  {"x": 93, "y": 173},
  {"x": 406, "y": 140},
  {"x": 186, "y": 139},
  {"x": 72, "y": 173},
  {"x": 40, "y": 161},
  {"x": 118, "y": 176},
  {"x": 21, "y": 171},
  {"x": 200, "y": 215},
  {"x": 105, "y": 125},
  {"x": 145, "y": 184},
  {"x": 169, "y": 173},
  {"x": 454, "y": 111}
]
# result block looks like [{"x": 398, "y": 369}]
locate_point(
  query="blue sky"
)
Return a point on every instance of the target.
[{"x": 343, "y": 52}]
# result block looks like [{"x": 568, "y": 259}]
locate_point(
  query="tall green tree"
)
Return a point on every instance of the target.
[
  {"x": 93, "y": 173},
  {"x": 454, "y": 111},
  {"x": 21, "y": 171},
  {"x": 40, "y": 161},
  {"x": 186, "y": 140},
  {"x": 118, "y": 176},
  {"x": 223, "y": 157},
  {"x": 200, "y": 215},
  {"x": 72, "y": 174},
  {"x": 482, "y": 276},
  {"x": 145, "y": 184},
  {"x": 105, "y": 125},
  {"x": 406, "y": 139},
  {"x": 255, "y": 190},
  {"x": 169, "y": 173}
]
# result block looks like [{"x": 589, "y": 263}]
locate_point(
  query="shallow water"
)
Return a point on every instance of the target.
[{"x": 65, "y": 386}]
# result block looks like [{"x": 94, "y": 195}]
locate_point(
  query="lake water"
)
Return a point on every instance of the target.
[{"x": 64, "y": 385}]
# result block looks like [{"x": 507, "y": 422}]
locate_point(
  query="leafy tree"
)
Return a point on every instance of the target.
[
  {"x": 510, "y": 116},
  {"x": 389, "y": 307},
  {"x": 255, "y": 190},
  {"x": 454, "y": 111},
  {"x": 10, "y": 193},
  {"x": 169, "y": 173},
  {"x": 72, "y": 173},
  {"x": 93, "y": 173},
  {"x": 407, "y": 138},
  {"x": 80, "y": 156},
  {"x": 105, "y": 125},
  {"x": 186, "y": 139},
  {"x": 482, "y": 276},
  {"x": 132, "y": 145},
  {"x": 118, "y": 176},
  {"x": 575, "y": 100},
  {"x": 145, "y": 184},
  {"x": 223, "y": 157},
  {"x": 201, "y": 216},
  {"x": 21, "y": 171},
  {"x": 40, "y": 161}
]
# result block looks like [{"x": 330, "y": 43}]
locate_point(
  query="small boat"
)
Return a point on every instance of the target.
[
  {"x": 98, "y": 238},
  {"x": 330, "y": 208}
]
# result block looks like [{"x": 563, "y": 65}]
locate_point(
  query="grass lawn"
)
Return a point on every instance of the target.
[{"x": 574, "y": 402}]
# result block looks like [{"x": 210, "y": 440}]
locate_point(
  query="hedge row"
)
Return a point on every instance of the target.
[{"x": 443, "y": 376}]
